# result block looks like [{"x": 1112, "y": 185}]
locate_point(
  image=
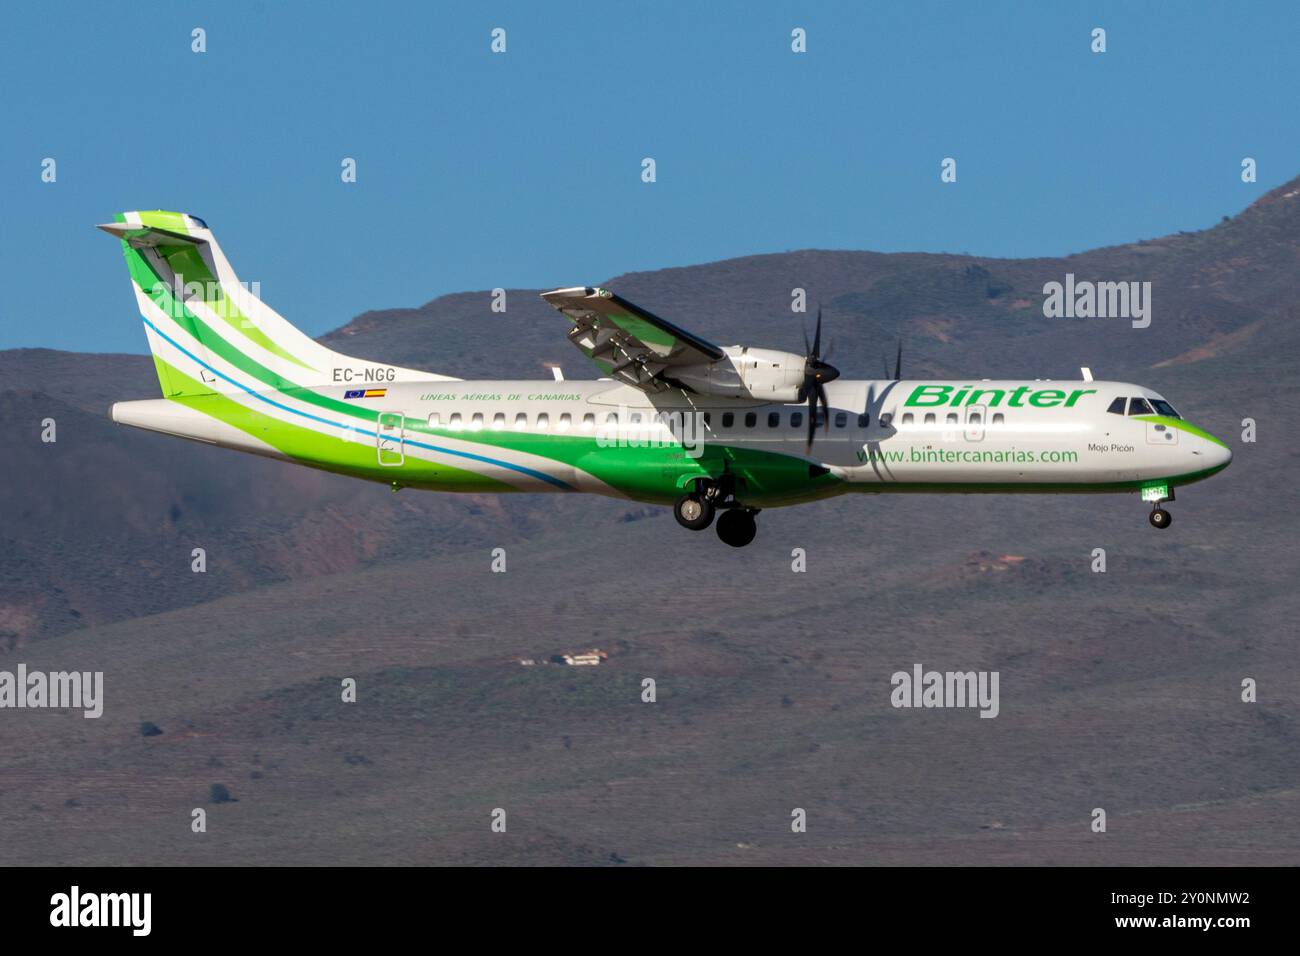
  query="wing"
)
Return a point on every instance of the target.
[{"x": 626, "y": 342}]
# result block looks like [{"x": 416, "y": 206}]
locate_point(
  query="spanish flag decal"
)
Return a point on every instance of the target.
[{"x": 365, "y": 393}]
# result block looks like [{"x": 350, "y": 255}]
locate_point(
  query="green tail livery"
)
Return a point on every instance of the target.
[{"x": 674, "y": 419}]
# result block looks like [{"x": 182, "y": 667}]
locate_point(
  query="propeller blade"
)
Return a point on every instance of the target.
[
  {"x": 812, "y": 418},
  {"x": 898, "y": 362},
  {"x": 816, "y": 374}
]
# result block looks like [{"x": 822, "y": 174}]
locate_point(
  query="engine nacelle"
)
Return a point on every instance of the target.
[{"x": 742, "y": 372}]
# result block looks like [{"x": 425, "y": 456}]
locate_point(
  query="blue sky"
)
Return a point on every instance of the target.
[{"x": 523, "y": 169}]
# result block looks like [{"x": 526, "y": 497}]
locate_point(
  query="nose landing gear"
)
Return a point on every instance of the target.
[{"x": 1158, "y": 492}]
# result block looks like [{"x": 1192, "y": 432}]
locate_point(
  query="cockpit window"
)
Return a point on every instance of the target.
[
  {"x": 1139, "y": 406},
  {"x": 1117, "y": 406},
  {"x": 1164, "y": 408}
]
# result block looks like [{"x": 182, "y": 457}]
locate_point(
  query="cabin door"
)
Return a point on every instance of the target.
[{"x": 389, "y": 439}]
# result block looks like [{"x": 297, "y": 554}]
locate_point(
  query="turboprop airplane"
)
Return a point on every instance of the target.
[{"x": 675, "y": 420}]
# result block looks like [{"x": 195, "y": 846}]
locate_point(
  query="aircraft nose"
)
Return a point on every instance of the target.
[
  {"x": 1220, "y": 454},
  {"x": 1211, "y": 452}
]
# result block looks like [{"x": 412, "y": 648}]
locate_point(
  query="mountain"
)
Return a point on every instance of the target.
[{"x": 1120, "y": 689}]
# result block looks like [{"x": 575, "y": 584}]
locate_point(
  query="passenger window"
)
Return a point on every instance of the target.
[
  {"x": 1117, "y": 406},
  {"x": 751, "y": 419},
  {"x": 543, "y": 420},
  {"x": 796, "y": 419},
  {"x": 499, "y": 420},
  {"x": 433, "y": 420},
  {"x": 841, "y": 419},
  {"x": 455, "y": 420},
  {"x": 907, "y": 418},
  {"x": 952, "y": 418},
  {"x": 773, "y": 419},
  {"x": 588, "y": 422},
  {"x": 563, "y": 424},
  {"x": 929, "y": 418},
  {"x": 476, "y": 422},
  {"x": 708, "y": 419},
  {"x": 634, "y": 418},
  {"x": 975, "y": 418},
  {"x": 864, "y": 420},
  {"x": 728, "y": 419},
  {"x": 1139, "y": 406},
  {"x": 611, "y": 418},
  {"x": 998, "y": 418},
  {"x": 521, "y": 420},
  {"x": 885, "y": 419}
]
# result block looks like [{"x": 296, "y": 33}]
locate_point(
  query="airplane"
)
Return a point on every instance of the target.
[{"x": 673, "y": 420}]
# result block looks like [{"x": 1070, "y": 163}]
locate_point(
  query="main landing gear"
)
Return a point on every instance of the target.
[
  {"x": 696, "y": 509},
  {"x": 736, "y": 527},
  {"x": 694, "y": 512}
]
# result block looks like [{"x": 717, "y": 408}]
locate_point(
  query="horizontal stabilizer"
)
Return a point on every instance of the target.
[{"x": 140, "y": 237}]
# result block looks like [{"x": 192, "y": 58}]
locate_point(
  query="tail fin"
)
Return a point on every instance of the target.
[{"x": 210, "y": 333}]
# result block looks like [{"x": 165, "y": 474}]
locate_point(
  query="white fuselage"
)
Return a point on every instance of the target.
[{"x": 882, "y": 435}]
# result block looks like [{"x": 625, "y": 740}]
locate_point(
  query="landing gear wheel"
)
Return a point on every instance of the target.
[
  {"x": 736, "y": 527},
  {"x": 694, "y": 513},
  {"x": 1160, "y": 518}
]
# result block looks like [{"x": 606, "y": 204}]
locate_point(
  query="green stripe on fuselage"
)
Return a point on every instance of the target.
[
  {"x": 1182, "y": 426},
  {"x": 661, "y": 473},
  {"x": 358, "y": 458}
]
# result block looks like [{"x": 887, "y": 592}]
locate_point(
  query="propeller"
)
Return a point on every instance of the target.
[
  {"x": 898, "y": 363},
  {"x": 816, "y": 373}
]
